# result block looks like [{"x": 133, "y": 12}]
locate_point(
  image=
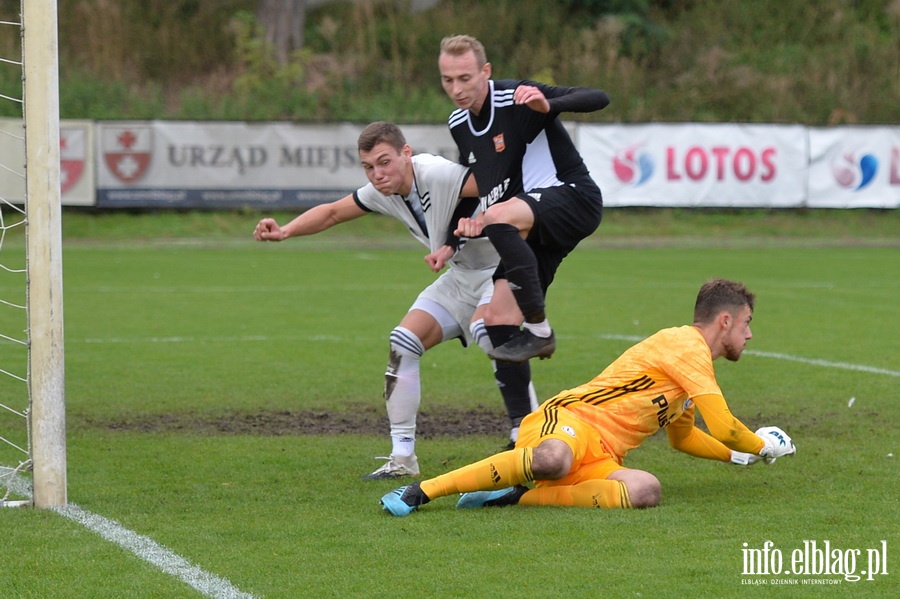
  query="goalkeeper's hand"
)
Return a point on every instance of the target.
[
  {"x": 777, "y": 443},
  {"x": 744, "y": 459}
]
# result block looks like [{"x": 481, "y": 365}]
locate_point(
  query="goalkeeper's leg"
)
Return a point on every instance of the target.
[
  {"x": 551, "y": 459},
  {"x": 624, "y": 488}
]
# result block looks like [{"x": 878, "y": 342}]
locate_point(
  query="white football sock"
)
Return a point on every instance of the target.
[
  {"x": 403, "y": 447},
  {"x": 539, "y": 329},
  {"x": 402, "y": 389}
]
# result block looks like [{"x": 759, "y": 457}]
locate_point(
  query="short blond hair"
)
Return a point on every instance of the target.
[{"x": 457, "y": 45}]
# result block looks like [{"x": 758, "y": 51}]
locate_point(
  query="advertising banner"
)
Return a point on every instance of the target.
[
  {"x": 12, "y": 161},
  {"x": 201, "y": 164},
  {"x": 715, "y": 165},
  {"x": 854, "y": 167},
  {"x": 76, "y": 162}
]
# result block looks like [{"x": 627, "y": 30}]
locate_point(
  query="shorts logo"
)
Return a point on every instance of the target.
[
  {"x": 499, "y": 143},
  {"x": 568, "y": 430},
  {"x": 536, "y": 196}
]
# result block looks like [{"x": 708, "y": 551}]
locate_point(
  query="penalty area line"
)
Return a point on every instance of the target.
[{"x": 144, "y": 548}]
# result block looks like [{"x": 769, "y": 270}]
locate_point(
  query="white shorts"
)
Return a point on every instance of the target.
[{"x": 453, "y": 298}]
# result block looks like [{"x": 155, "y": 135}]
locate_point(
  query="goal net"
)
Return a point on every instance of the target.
[{"x": 32, "y": 404}]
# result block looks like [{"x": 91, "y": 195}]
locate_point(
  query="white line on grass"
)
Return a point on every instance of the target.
[
  {"x": 825, "y": 363},
  {"x": 145, "y": 548},
  {"x": 631, "y": 338},
  {"x": 786, "y": 357}
]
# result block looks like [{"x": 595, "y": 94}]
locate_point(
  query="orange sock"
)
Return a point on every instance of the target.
[
  {"x": 591, "y": 493},
  {"x": 499, "y": 471}
]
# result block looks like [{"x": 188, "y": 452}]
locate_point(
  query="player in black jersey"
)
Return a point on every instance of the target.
[{"x": 539, "y": 198}]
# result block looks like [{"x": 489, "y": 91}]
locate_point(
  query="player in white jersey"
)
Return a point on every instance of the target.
[{"x": 428, "y": 194}]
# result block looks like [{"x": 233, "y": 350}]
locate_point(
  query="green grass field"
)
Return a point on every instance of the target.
[{"x": 219, "y": 329}]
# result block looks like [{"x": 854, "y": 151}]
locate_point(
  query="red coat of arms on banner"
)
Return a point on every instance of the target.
[
  {"x": 127, "y": 151},
  {"x": 71, "y": 157}
]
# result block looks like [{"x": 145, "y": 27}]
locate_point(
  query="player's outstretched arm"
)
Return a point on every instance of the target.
[
  {"x": 768, "y": 442},
  {"x": 725, "y": 427},
  {"x": 577, "y": 99},
  {"x": 686, "y": 437},
  {"x": 314, "y": 220}
]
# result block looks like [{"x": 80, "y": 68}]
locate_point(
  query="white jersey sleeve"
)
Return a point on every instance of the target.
[{"x": 436, "y": 188}]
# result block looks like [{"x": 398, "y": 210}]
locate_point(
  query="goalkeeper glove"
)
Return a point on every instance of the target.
[
  {"x": 744, "y": 459},
  {"x": 777, "y": 443}
]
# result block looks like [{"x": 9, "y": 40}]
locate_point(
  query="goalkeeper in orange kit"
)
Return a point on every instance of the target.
[{"x": 572, "y": 447}]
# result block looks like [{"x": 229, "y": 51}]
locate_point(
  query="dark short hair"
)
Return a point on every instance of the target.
[
  {"x": 717, "y": 295},
  {"x": 457, "y": 45},
  {"x": 380, "y": 132}
]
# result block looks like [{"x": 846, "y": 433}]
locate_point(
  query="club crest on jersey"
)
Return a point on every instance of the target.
[{"x": 499, "y": 143}]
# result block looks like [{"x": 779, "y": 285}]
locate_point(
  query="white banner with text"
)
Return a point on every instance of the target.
[
  {"x": 236, "y": 164},
  {"x": 697, "y": 165},
  {"x": 150, "y": 164}
]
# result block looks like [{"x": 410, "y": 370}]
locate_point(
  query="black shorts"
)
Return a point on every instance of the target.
[{"x": 563, "y": 216}]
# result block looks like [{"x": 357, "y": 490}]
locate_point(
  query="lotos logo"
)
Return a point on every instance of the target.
[
  {"x": 853, "y": 171},
  {"x": 632, "y": 167}
]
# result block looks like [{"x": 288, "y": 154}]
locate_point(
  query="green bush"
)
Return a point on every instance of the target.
[{"x": 829, "y": 62}]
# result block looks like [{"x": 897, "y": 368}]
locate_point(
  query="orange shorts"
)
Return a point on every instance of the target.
[{"x": 590, "y": 460}]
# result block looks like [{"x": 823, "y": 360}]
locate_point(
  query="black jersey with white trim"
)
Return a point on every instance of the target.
[{"x": 512, "y": 149}]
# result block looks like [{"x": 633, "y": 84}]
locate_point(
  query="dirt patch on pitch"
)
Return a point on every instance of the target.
[{"x": 364, "y": 420}]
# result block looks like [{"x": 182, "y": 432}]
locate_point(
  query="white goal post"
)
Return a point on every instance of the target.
[
  {"x": 46, "y": 380},
  {"x": 43, "y": 256}
]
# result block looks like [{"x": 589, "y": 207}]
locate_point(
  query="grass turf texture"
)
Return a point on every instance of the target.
[{"x": 219, "y": 327}]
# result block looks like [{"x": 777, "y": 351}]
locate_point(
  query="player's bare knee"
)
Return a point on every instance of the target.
[
  {"x": 514, "y": 211},
  {"x": 551, "y": 460},
  {"x": 644, "y": 491}
]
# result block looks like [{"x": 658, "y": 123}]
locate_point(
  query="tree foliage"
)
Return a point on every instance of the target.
[{"x": 666, "y": 60}]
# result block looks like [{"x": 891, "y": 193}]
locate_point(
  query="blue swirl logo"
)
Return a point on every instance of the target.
[{"x": 854, "y": 171}]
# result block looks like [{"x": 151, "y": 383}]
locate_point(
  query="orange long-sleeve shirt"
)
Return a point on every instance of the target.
[{"x": 656, "y": 384}]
